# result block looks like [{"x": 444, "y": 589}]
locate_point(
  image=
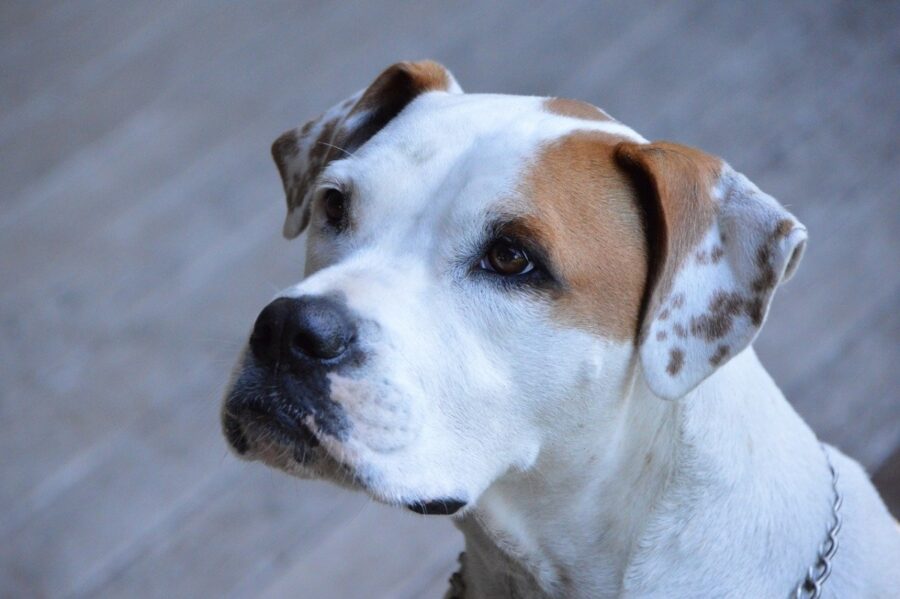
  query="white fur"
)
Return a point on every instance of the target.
[{"x": 581, "y": 481}]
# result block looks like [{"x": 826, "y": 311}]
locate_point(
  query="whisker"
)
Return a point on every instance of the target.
[{"x": 347, "y": 152}]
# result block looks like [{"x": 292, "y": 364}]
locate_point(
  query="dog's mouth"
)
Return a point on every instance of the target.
[
  {"x": 255, "y": 426},
  {"x": 261, "y": 424},
  {"x": 283, "y": 441}
]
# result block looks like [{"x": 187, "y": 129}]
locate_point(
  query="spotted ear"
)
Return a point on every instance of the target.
[
  {"x": 301, "y": 154},
  {"x": 718, "y": 249}
]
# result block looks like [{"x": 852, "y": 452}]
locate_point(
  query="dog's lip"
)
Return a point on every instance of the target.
[
  {"x": 242, "y": 430},
  {"x": 234, "y": 433},
  {"x": 436, "y": 507}
]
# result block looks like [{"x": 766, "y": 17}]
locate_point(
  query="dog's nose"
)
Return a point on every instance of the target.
[{"x": 303, "y": 328}]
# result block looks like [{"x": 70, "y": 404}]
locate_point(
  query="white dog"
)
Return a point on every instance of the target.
[{"x": 520, "y": 312}]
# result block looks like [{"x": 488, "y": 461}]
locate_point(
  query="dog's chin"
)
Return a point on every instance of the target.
[
  {"x": 305, "y": 462},
  {"x": 298, "y": 451}
]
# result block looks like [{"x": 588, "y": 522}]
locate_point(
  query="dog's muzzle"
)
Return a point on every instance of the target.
[
  {"x": 282, "y": 392},
  {"x": 279, "y": 409}
]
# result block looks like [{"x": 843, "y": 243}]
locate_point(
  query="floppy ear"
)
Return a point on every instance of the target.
[
  {"x": 719, "y": 247},
  {"x": 301, "y": 154}
]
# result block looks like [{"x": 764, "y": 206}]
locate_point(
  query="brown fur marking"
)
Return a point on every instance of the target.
[
  {"x": 586, "y": 214},
  {"x": 400, "y": 83},
  {"x": 676, "y": 361},
  {"x": 783, "y": 227},
  {"x": 720, "y": 355},
  {"x": 391, "y": 91},
  {"x": 575, "y": 109},
  {"x": 675, "y": 184},
  {"x": 717, "y": 322},
  {"x": 283, "y": 149}
]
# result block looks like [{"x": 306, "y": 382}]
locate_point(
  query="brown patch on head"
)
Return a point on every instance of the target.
[
  {"x": 674, "y": 184},
  {"x": 575, "y": 109},
  {"x": 584, "y": 210},
  {"x": 676, "y": 361}
]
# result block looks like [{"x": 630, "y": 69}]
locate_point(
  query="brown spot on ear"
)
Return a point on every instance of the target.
[
  {"x": 676, "y": 361},
  {"x": 400, "y": 83},
  {"x": 783, "y": 227},
  {"x": 585, "y": 213},
  {"x": 384, "y": 99},
  {"x": 575, "y": 109},
  {"x": 284, "y": 148},
  {"x": 720, "y": 355},
  {"x": 717, "y": 322},
  {"x": 755, "y": 310},
  {"x": 716, "y": 254},
  {"x": 390, "y": 93},
  {"x": 767, "y": 277},
  {"x": 322, "y": 151}
]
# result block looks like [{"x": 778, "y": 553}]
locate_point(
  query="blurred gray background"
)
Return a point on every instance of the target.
[{"x": 140, "y": 221}]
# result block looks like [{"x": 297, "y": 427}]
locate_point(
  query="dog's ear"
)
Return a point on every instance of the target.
[
  {"x": 718, "y": 248},
  {"x": 302, "y": 153}
]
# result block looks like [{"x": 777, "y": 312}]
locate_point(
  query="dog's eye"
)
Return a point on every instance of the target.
[
  {"x": 335, "y": 205},
  {"x": 506, "y": 258}
]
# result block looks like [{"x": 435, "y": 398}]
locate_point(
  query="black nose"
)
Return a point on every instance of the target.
[{"x": 303, "y": 328}]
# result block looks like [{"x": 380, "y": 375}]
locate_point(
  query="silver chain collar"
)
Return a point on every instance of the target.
[{"x": 818, "y": 573}]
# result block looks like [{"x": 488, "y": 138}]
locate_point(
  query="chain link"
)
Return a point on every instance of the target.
[{"x": 811, "y": 585}]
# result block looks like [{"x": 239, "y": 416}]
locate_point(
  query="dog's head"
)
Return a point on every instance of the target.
[{"x": 483, "y": 271}]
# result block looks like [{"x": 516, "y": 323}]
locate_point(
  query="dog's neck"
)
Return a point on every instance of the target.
[{"x": 659, "y": 497}]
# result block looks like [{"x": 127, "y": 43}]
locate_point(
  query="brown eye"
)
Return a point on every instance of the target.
[
  {"x": 335, "y": 205},
  {"x": 506, "y": 258}
]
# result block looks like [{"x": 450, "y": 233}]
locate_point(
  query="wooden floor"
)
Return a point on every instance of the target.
[{"x": 140, "y": 226}]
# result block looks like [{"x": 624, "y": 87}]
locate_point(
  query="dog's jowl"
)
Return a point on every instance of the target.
[{"x": 520, "y": 313}]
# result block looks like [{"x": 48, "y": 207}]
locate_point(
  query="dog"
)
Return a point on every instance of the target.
[{"x": 520, "y": 313}]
